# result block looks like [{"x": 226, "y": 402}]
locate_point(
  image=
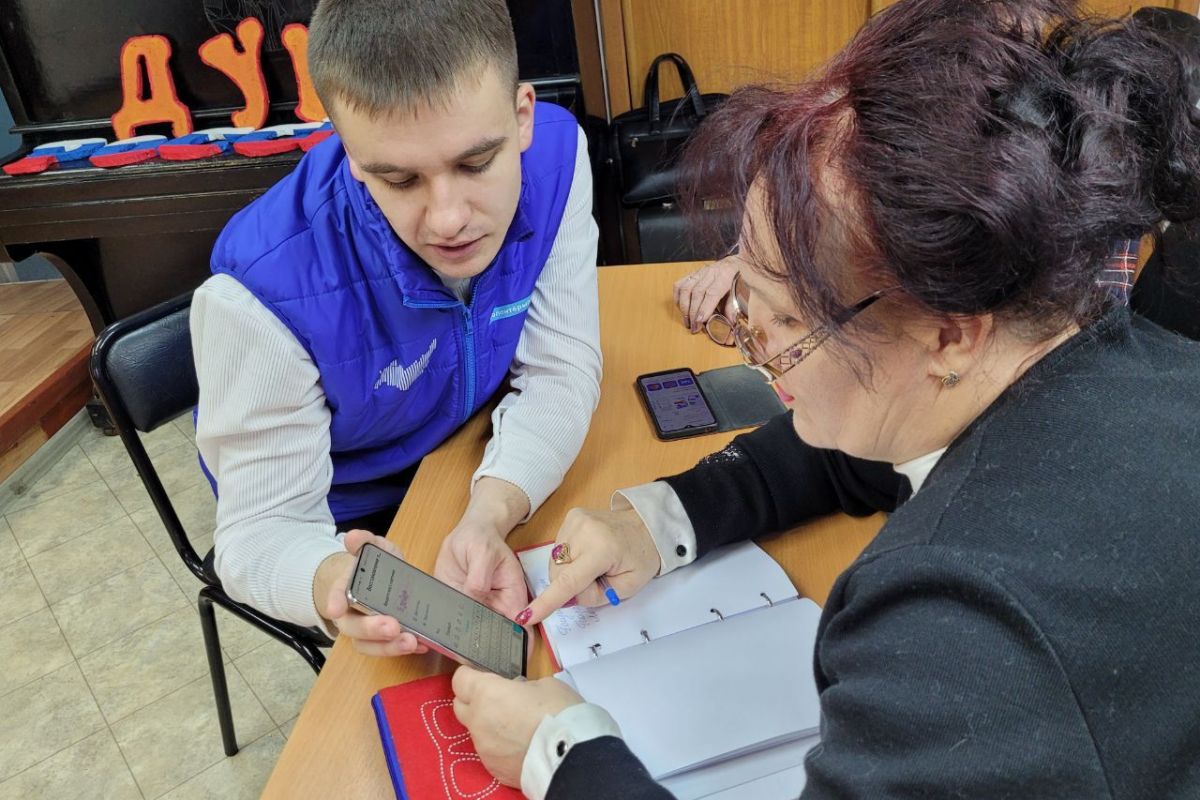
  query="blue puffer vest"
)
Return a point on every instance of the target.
[{"x": 403, "y": 363}]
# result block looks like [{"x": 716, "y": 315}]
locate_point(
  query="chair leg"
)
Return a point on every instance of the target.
[
  {"x": 286, "y": 634},
  {"x": 216, "y": 668},
  {"x": 312, "y": 654}
]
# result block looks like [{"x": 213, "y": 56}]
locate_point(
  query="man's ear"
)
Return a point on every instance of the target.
[
  {"x": 956, "y": 342},
  {"x": 526, "y": 100}
]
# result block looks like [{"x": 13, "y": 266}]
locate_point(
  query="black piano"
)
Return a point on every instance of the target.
[{"x": 129, "y": 237}]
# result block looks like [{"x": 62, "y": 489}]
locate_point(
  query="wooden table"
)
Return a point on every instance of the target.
[{"x": 334, "y": 750}]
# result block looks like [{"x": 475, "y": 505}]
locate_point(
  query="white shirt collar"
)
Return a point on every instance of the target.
[{"x": 918, "y": 469}]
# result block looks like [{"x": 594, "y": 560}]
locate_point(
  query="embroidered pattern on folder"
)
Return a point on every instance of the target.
[{"x": 429, "y": 753}]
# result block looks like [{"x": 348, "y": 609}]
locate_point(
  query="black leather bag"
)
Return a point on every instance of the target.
[
  {"x": 664, "y": 234},
  {"x": 646, "y": 142}
]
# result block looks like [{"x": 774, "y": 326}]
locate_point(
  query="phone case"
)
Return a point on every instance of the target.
[{"x": 739, "y": 397}]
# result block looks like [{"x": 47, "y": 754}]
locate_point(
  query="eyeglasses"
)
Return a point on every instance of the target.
[{"x": 752, "y": 341}]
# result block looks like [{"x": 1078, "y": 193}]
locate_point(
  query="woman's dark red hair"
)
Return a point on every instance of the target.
[{"x": 981, "y": 154}]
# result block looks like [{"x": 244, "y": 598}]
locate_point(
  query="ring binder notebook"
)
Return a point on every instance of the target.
[{"x": 711, "y": 620}]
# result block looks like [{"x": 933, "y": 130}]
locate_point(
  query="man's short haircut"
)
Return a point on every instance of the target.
[{"x": 386, "y": 56}]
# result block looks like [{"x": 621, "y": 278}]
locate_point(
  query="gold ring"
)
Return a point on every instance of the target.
[{"x": 561, "y": 554}]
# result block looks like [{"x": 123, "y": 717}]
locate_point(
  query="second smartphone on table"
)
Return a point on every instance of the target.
[{"x": 677, "y": 405}]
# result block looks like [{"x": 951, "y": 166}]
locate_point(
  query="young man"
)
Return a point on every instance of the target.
[{"x": 378, "y": 296}]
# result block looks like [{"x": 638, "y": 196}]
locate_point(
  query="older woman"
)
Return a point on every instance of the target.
[{"x": 923, "y": 228}]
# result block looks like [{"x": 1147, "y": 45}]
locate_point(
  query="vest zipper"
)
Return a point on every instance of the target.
[
  {"x": 468, "y": 342},
  {"x": 469, "y": 347}
]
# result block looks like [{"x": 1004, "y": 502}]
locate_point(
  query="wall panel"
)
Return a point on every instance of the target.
[
  {"x": 1109, "y": 7},
  {"x": 731, "y": 42}
]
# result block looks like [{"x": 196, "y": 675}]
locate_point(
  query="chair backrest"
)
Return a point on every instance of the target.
[
  {"x": 143, "y": 370},
  {"x": 146, "y": 360},
  {"x": 1168, "y": 288}
]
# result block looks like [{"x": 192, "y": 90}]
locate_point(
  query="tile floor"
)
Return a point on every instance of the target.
[{"x": 104, "y": 687}]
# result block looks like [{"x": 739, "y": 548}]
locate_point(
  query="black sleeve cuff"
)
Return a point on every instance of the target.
[
  {"x": 602, "y": 769},
  {"x": 769, "y": 480}
]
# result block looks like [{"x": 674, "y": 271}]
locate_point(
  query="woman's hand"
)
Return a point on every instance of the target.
[
  {"x": 503, "y": 714},
  {"x": 373, "y": 634},
  {"x": 697, "y": 294},
  {"x": 615, "y": 544}
]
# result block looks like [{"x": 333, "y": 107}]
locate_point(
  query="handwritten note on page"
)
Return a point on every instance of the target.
[{"x": 731, "y": 580}]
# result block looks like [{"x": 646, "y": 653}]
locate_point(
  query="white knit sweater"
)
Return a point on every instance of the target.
[{"x": 264, "y": 426}]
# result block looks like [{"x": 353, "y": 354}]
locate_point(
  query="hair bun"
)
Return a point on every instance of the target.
[{"x": 1163, "y": 102}]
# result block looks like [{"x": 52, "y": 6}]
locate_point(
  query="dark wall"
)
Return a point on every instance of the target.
[
  {"x": 66, "y": 55},
  {"x": 8, "y": 142}
]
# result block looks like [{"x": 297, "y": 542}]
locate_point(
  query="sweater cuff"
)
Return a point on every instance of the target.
[
  {"x": 554, "y": 738},
  {"x": 283, "y": 586},
  {"x": 295, "y": 582},
  {"x": 665, "y": 518},
  {"x": 535, "y": 487}
]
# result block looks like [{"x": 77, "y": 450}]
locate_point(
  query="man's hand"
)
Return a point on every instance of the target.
[
  {"x": 373, "y": 634},
  {"x": 474, "y": 558},
  {"x": 502, "y": 716}
]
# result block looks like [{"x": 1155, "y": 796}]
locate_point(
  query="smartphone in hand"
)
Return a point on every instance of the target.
[{"x": 440, "y": 616}]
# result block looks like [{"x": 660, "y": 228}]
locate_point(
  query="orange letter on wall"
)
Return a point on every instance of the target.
[
  {"x": 243, "y": 68},
  {"x": 152, "y": 101},
  {"x": 295, "y": 39}
]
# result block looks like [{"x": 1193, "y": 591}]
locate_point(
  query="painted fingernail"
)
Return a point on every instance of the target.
[
  {"x": 574, "y": 601},
  {"x": 687, "y": 323},
  {"x": 524, "y": 616}
]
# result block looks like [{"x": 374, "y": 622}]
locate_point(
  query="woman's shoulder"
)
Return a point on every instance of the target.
[{"x": 1089, "y": 430}]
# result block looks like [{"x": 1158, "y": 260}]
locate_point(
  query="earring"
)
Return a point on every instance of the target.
[{"x": 951, "y": 379}]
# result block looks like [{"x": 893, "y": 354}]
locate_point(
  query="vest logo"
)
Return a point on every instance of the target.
[
  {"x": 404, "y": 377},
  {"x": 511, "y": 309}
]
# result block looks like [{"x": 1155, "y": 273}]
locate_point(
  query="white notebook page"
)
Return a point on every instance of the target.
[
  {"x": 712, "y": 692},
  {"x": 731, "y": 579},
  {"x": 784, "y": 785},
  {"x": 754, "y": 775}
]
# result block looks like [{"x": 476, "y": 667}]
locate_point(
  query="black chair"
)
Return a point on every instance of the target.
[
  {"x": 143, "y": 370},
  {"x": 1168, "y": 289}
]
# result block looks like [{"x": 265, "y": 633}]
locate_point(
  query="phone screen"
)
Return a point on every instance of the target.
[
  {"x": 431, "y": 609},
  {"x": 675, "y": 401}
]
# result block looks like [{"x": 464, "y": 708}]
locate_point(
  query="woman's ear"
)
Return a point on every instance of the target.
[{"x": 955, "y": 343}]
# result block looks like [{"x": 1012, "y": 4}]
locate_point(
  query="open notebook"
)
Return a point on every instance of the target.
[{"x": 706, "y": 665}]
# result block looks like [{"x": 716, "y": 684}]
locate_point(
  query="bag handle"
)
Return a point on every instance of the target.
[{"x": 690, "y": 90}]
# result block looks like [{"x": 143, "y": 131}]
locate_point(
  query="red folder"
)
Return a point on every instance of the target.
[{"x": 429, "y": 753}]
